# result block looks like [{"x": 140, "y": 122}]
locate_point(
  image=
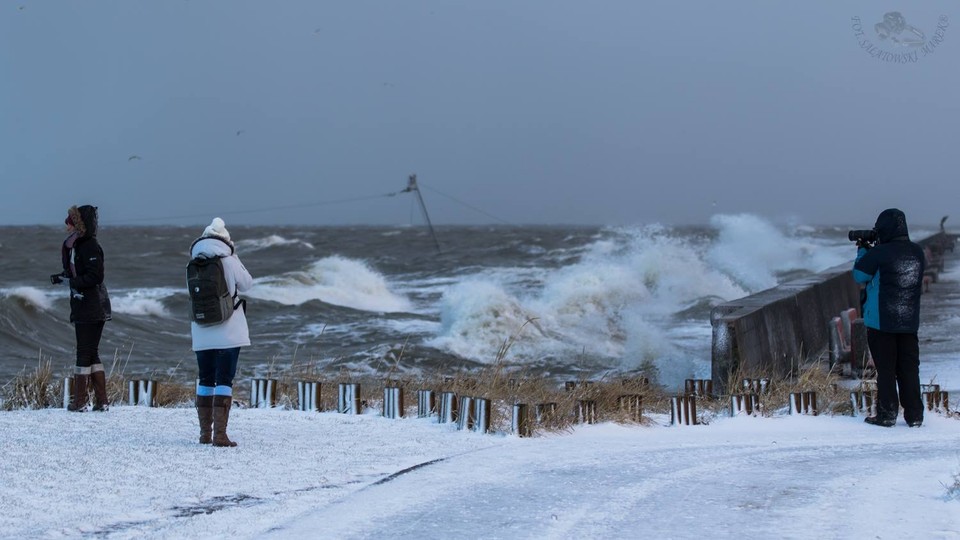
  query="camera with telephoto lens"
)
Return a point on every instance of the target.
[{"x": 863, "y": 235}]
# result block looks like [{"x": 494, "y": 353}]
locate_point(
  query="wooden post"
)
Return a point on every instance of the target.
[
  {"x": 67, "y": 391},
  {"x": 931, "y": 396},
  {"x": 520, "y": 425},
  {"x": 393, "y": 402},
  {"x": 862, "y": 402},
  {"x": 545, "y": 411},
  {"x": 744, "y": 403},
  {"x": 756, "y": 386},
  {"x": 448, "y": 407},
  {"x": 481, "y": 415},
  {"x": 426, "y": 403},
  {"x": 803, "y": 403},
  {"x": 683, "y": 410},
  {"x": 348, "y": 398},
  {"x": 467, "y": 413},
  {"x": 586, "y": 411},
  {"x": 698, "y": 387},
  {"x": 308, "y": 396},
  {"x": 142, "y": 393},
  {"x": 263, "y": 393}
]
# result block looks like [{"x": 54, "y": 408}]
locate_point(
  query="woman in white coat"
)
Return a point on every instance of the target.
[{"x": 218, "y": 346}]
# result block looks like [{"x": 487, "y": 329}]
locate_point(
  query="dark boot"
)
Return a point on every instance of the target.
[
  {"x": 205, "y": 414},
  {"x": 880, "y": 421},
  {"x": 79, "y": 401},
  {"x": 100, "y": 401},
  {"x": 221, "y": 415}
]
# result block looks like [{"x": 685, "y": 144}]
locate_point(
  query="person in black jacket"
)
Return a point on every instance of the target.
[
  {"x": 893, "y": 273},
  {"x": 82, "y": 259}
]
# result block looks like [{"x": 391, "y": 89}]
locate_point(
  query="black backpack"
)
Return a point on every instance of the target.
[{"x": 210, "y": 300}]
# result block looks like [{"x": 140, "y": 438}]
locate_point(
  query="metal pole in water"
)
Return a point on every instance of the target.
[{"x": 412, "y": 186}]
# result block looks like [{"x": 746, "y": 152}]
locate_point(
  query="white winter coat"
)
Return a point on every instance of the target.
[{"x": 233, "y": 332}]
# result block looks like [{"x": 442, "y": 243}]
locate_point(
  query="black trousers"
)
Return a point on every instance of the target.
[
  {"x": 88, "y": 343},
  {"x": 897, "y": 358}
]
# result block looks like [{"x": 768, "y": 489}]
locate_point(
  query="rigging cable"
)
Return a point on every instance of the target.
[{"x": 474, "y": 208}]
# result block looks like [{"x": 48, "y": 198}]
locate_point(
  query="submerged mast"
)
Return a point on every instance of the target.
[{"x": 412, "y": 186}]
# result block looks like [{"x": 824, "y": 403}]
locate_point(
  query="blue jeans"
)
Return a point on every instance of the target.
[{"x": 217, "y": 368}]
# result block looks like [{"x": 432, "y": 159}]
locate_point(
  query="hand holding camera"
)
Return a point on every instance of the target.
[
  {"x": 56, "y": 279},
  {"x": 864, "y": 238}
]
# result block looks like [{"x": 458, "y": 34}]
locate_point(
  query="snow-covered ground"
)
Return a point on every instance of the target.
[{"x": 136, "y": 472}]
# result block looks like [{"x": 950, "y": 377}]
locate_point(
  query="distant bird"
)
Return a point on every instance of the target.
[
  {"x": 317, "y": 31},
  {"x": 133, "y": 157},
  {"x": 21, "y": 8},
  {"x": 239, "y": 131}
]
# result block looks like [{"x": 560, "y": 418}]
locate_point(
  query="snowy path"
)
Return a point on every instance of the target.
[
  {"x": 790, "y": 477},
  {"x": 135, "y": 472}
]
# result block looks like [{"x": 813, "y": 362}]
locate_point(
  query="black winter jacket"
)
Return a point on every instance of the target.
[
  {"x": 89, "y": 301},
  {"x": 893, "y": 273}
]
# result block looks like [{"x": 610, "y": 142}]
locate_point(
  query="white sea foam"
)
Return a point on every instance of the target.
[
  {"x": 273, "y": 240},
  {"x": 618, "y": 301},
  {"x": 752, "y": 250},
  {"x": 141, "y": 302},
  {"x": 334, "y": 280},
  {"x": 31, "y": 296}
]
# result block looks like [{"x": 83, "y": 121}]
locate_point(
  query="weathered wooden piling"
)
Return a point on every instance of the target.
[
  {"x": 702, "y": 388},
  {"x": 748, "y": 404},
  {"x": 393, "y": 402},
  {"x": 803, "y": 403},
  {"x": 447, "y": 408},
  {"x": 586, "y": 411},
  {"x": 263, "y": 393},
  {"x": 142, "y": 392},
  {"x": 521, "y": 423},
  {"x": 426, "y": 403},
  {"x": 756, "y": 386},
  {"x": 544, "y": 412},
  {"x": 467, "y": 413},
  {"x": 348, "y": 398},
  {"x": 683, "y": 410},
  {"x": 308, "y": 396}
]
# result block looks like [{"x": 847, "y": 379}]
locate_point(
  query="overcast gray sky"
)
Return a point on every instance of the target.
[{"x": 613, "y": 112}]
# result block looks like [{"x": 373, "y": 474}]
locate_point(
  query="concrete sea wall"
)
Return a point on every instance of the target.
[{"x": 775, "y": 331}]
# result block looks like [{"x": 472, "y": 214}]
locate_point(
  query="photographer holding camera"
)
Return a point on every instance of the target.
[{"x": 893, "y": 274}]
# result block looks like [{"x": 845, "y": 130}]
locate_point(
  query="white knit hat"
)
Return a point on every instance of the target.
[{"x": 217, "y": 228}]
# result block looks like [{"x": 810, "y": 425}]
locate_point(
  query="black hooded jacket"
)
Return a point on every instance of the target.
[
  {"x": 89, "y": 301},
  {"x": 893, "y": 272}
]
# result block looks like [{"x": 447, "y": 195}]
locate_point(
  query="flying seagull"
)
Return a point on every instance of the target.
[{"x": 133, "y": 157}]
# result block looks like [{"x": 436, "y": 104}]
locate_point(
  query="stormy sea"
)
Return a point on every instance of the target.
[{"x": 554, "y": 300}]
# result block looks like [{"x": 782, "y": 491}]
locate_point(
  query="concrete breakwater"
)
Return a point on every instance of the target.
[{"x": 776, "y": 331}]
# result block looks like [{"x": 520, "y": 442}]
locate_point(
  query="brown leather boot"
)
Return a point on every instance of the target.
[
  {"x": 100, "y": 401},
  {"x": 79, "y": 401},
  {"x": 205, "y": 414},
  {"x": 221, "y": 415}
]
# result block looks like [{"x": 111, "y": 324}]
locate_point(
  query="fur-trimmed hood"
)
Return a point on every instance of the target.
[{"x": 84, "y": 219}]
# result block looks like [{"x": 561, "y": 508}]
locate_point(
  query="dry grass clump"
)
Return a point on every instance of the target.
[
  {"x": 953, "y": 489},
  {"x": 34, "y": 389},
  {"x": 832, "y": 398}
]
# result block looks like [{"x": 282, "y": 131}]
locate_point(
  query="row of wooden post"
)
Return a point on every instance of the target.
[{"x": 474, "y": 413}]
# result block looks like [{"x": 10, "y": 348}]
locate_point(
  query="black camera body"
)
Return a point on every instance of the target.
[{"x": 862, "y": 235}]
